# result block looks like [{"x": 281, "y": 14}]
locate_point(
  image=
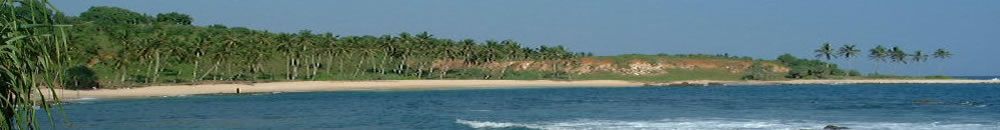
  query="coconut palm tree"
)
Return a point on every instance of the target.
[
  {"x": 848, "y": 51},
  {"x": 826, "y": 52},
  {"x": 918, "y": 57},
  {"x": 897, "y": 55},
  {"x": 878, "y": 54},
  {"x": 941, "y": 54}
]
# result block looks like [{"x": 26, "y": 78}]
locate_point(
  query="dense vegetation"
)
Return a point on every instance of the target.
[
  {"x": 112, "y": 46},
  {"x": 129, "y": 48},
  {"x": 31, "y": 56}
]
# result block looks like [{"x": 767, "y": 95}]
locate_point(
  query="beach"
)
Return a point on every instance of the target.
[{"x": 376, "y": 85}]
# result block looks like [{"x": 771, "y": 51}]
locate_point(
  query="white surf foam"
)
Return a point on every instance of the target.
[{"x": 702, "y": 124}]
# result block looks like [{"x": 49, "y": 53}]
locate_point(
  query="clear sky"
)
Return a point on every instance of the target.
[{"x": 756, "y": 28}]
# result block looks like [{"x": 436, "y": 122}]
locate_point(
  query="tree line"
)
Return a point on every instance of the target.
[
  {"x": 879, "y": 54},
  {"x": 165, "y": 48}
]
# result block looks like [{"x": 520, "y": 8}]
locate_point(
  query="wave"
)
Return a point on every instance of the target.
[{"x": 701, "y": 124}]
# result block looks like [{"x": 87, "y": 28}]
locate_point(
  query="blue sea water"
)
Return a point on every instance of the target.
[{"x": 859, "y": 107}]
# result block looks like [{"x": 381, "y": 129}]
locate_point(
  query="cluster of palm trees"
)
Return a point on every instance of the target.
[
  {"x": 879, "y": 54},
  {"x": 143, "y": 53}
]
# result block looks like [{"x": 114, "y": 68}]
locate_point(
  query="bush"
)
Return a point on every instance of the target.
[
  {"x": 805, "y": 68},
  {"x": 468, "y": 73},
  {"x": 80, "y": 77},
  {"x": 524, "y": 75},
  {"x": 854, "y": 73},
  {"x": 759, "y": 71}
]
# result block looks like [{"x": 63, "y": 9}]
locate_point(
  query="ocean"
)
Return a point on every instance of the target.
[{"x": 768, "y": 107}]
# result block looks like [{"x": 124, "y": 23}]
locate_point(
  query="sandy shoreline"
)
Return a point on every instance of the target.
[{"x": 309, "y": 86}]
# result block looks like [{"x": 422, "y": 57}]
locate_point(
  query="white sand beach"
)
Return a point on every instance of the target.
[{"x": 309, "y": 86}]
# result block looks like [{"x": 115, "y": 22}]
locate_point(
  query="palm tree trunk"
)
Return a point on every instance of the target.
[
  {"x": 381, "y": 64},
  {"x": 329, "y": 62},
  {"x": 420, "y": 70},
  {"x": 400, "y": 67},
  {"x": 156, "y": 67},
  {"x": 214, "y": 67},
  {"x": 846, "y": 72},
  {"x": 939, "y": 67},
  {"x": 378, "y": 67},
  {"x": 295, "y": 68},
  {"x": 124, "y": 74},
  {"x": 876, "y": 67},
  {"x": 194, "y": 74},
  {"x": 288, "y": 67},
  {"x": 316, "y": 65},
  {"x": 340, "y": 64},
  {"x": 357, "y": 69}
]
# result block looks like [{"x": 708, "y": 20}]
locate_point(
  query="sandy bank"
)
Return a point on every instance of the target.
[{"x": 305, "y": 86}]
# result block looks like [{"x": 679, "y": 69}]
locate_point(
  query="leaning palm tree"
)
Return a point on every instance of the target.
[
  {"x": 878, "y": 54},
  {"x": 31, "y": 56},
  {"x": 848, "y": 51},
  {"x": 941, "y": 54},
  {"x": 897, "y": 55},
  {"x": 826, "y": 52},
  {"x": 918, "y": 57}
]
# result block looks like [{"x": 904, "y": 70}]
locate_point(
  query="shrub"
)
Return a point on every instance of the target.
[
  {"x": 80, "y": 77},
  {"x": 759, "y": 71}
]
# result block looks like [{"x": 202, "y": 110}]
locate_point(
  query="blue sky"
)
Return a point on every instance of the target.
[{"x": 756, "y": 28}]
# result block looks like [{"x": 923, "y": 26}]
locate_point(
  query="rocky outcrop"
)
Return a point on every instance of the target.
[{"x": 833, "y": 127}]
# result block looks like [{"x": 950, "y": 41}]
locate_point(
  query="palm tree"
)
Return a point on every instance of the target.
[
  {"x": 826, "y": 51},
  {"x": 878, "y": 54},
  {"x": 941, "y": 54},
  {"x": 918, "y": 57},
  {"x": 897, "y": 55},
  {"x": 848, "y": 51}
]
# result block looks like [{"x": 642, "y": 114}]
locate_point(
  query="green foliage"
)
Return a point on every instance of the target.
[
  {"x": 105, "y": 15},
  {"x": 126, "y": 51},
  {"x": 174, "y": 18},
  {"x": 853, "y": 73},
  {"x": 805, "y": 68},
  {"x": 469, "y": 73},
  {"x": 80, "y": 77},
  {"x": 942, "y": 54},
  {"x": 826, "y": 51},
  {"x": 759, "y": 71}
]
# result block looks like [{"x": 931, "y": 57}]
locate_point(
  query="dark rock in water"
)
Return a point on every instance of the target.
[
  {"x": 716, "y": 84},
  {"x": 926, "y": 101},
  {"x": 833, "y": 127}
]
